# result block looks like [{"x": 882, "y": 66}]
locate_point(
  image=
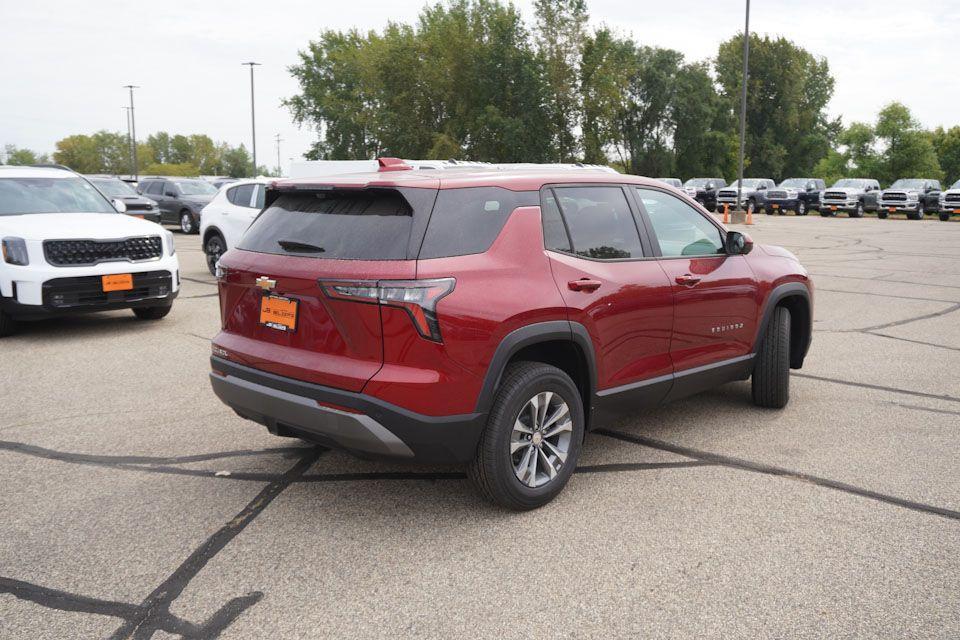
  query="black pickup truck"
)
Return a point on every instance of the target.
[
  {"x": 913, "y": 196},
  {"x": 799, "y": 195},
  {"x": 704, "y": 190}
]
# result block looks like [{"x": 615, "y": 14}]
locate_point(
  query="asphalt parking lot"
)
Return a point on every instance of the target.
[{"x": 836, "y": 517}]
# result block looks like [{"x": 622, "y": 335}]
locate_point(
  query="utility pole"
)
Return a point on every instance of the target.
[
  {"x": 743, "y": 102},
  {"x": 133, "y": 131},
  {"x": 126, "y": 111},
  {"x": 279, "y": 140},
  {"x": 253, "y": 119}
]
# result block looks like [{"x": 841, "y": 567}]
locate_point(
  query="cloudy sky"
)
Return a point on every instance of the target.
[{"x": 64, "y": 62}]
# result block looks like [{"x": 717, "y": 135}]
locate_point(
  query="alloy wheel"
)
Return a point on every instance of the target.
[
  {"x": 214, "y": 250},
  {"x": 540, "y": 441},
  {"x": 186, "y": 223}
]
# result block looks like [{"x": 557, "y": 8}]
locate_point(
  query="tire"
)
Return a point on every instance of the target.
[
  {"x": 944, "y": 217},
  {"x": 152, "y": 313},
  {"x": 921, "y": 210},
  {"x": 494, "y": 470},
  {"x": 801, "y": 209},
  {"x": 7, "y": 325},
  {"x": 213, "y": 248},
  {"x": 770, "y": 383},
  {"x": 882, "y": 214},
  {"x": 186, "y": 222},
  {"x": 858, "y": 210},
  {"x": 913, "y": 215},
  {"x": 826, "y": 213}
]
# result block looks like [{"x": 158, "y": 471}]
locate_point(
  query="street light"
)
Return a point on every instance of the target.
[
  {"x": 253, "y": 120},
  {"x": 743, "y": 102},
  {"x": 133, "y": 132}
]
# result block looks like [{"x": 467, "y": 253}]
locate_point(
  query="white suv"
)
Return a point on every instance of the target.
[
  {"x": 66, "y": 249},
  {"x": 227, "y": 216}
]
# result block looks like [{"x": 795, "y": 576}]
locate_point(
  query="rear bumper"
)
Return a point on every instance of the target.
[{"x": 355, "y": 422}]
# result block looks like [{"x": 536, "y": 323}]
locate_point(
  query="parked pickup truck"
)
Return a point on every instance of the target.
[
  {"x": 704, "y": 190},
  {"x": 853, "y": 195},
  {"x": 950, "y": 201},
  {"x": 751, "y": 195},
  {"x": 795, "y": 194},
  {"x": 913, "y": 196}
]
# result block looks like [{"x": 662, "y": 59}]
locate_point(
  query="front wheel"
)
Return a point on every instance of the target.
[
  {"x": 770, "y": 384},
  {"x": 7, "y": 325},
  {"x": 882, "y": 214},
  {"x": 858, "y": 211},
  {"x": 186, "y": 222},
  {"x": 801, "y": 208},
  {"x": 944, "y": 217},
  {"x": 532, "y": 440},
  {"x": 152, "y": 313},
  {"x": 214, "y": 248}
]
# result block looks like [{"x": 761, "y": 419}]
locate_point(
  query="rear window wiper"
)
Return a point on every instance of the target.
[{"x": 299, "y": 247}]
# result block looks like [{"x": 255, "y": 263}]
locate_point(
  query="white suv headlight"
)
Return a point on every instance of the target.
[{"x": 171, "y": 247}]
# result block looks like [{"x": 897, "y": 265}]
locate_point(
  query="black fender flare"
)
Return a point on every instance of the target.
[
  {"x": 777, "y": 295},
  {"x": 529, "y": 335},
  {"x": 212, "y": 229}
]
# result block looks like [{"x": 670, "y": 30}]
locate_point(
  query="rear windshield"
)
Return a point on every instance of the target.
[{"x": 346, "y": 225}]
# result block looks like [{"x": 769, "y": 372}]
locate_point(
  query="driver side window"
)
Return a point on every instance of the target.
[{"x": 680, "y": 229}]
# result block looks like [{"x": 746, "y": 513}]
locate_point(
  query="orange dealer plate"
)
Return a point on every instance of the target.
[
  {"x": 117, "y": 282},
  {"x": 279, "y": 313}
]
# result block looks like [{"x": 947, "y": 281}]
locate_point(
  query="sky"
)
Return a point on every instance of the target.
[{"x": 64, "y": 63}]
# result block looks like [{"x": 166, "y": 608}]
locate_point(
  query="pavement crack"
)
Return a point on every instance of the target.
[
  {"x": 877, "y": 387},
  {"x": 765, "y": 469},
  {"x": 927, "y": 316}
]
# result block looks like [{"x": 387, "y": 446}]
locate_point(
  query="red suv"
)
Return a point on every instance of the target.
[{"x": 492, "y": 317}]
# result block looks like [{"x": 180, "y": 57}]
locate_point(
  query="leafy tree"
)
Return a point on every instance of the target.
[
  {"x": 184, "y": 169},
  {"x": 703, "y": 143},
  {"x": 908, "y": 151},
  {"x": 160, "y": 144},
  {"x": 79, "y": 152},
  {"x": 560, "y": 34},
  {"x": 787, "y": 93},
  {"x": 947, "y": 145},
  {"x": 20, "y": 156},
  {"x": 236, "y": 162},
  {"x": 607, "y": 64}
]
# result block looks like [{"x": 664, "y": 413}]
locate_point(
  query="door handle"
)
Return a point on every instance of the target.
[
  {"x": 584, "y": 284},
  {"x": 687, "y": 280}
]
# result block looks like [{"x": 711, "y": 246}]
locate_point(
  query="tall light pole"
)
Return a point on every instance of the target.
[
  {"x": 133, "y": 130},
  {"x": 133, "y": 162},
  {"x": 743, "y": 102},
  {"x": 279, "y": 140},
  {"x": 253, "y": 119}
]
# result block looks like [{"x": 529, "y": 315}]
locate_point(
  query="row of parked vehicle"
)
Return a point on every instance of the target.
[{"x": 913, "y": 196}]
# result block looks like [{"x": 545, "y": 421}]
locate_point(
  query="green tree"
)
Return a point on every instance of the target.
[
  {"x": 787, "y": 93},
  {"x": 560, "y": 34},
  {"x": 21, "y": 156},
  {"x": 606, "y": 66},
  {"x": 947, "y": 145},
  {"x": 702, "y": 141},
  {"x": 184, "y": 169},
  {"x": 79, "y": 152},
  {"x": 908, "y": 152},
  {"x": 237, "y": 162},
  {"x": 160, "y": 143}
]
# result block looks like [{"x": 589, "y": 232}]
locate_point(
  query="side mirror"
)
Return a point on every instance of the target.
[
  {"x": 738, "y": 244},
  {"x": 119, "y": 205}
]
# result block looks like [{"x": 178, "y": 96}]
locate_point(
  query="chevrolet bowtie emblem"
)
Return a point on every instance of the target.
[{"x": 266, "y": 283}]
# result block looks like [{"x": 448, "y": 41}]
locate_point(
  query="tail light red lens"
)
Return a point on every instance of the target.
[{"x": 417, "y": 297}]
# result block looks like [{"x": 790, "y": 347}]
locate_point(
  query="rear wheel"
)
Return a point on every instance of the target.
[
  {"x": 214, "y": 247},
  {"x": 186, "y": 222},
  {"x": 770, "y": 383},
  {"x": 152, "y": 313},
  {"x": 7, "y": 325},
  {"x": 532, "y": 441},
  {"x": 944, "y": 216}
]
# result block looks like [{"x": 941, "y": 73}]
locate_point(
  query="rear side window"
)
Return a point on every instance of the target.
[
  {"x": 600, "y": 222},
  {"x": 369, "y": 224},
  {"x": 241, "y": 195},
  {"x": 467, "y": 221}
]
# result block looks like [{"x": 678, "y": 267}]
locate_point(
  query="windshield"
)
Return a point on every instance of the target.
[
  {"x": 905, "y": 183},
  {"x": 196, "y": 188},
  {"x": 794, "y": 183},
  {"x": 955, "y": 185},
  {"x": 112, "y": 187},
  {"x": 850, "y": 183},
  {"x": 697, "y": 182},
  {"x": 748, "y": 183},
  {"x": 50, "y": 195},
  {"x": 673, "y": 182}
]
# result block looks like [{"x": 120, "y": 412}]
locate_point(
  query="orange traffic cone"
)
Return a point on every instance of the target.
[
  {"x": 749, "y": 215},
  {"x": 726, "y": 217}
]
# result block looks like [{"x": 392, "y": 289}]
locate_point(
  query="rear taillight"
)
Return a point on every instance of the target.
[{"x": 417, "y": 297}]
